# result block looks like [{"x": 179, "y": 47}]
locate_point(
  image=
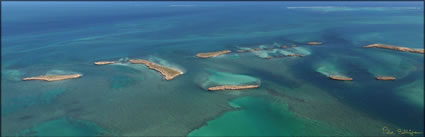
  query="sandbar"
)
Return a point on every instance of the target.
[
  {"x": 397, "y": 48},
  {"x": 167, "y": 72},
  {"x": 314, "y": 43},
  {"x": 294, "y": 55},
  {"x": 212, "y": 54},
  {"x": 340, "y": 78},
  {"x": 105, "y": 62},
  {"x": 385, "y": 78},
  {"x": 54, "y": 77},
  {"x": 232, "y": 87}
]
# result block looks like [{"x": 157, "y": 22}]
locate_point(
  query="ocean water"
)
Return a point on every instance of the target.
[{"x": 295, "y": 97}]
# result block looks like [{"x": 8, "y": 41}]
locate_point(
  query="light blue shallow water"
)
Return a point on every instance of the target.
[{"x": 40, "y": 38}]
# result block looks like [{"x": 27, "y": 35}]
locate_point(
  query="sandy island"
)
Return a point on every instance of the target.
[
  {"x": 54, "y": 77},
  {"x": 167, "y": 73},
  {"x": 105, "y": 62},
  {"x": 385, "y": 78},
  {"x": 232, "y": 87},
  {"x": 397, "y": 48},
  {"x": 294, "y": 55},
  {"x": 212, "y": 54},
  {"x": 340, "y": 78},
  {"x": 314, "y": 43}
]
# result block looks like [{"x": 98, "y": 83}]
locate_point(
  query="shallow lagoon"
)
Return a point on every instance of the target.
[{"x": 129, "y": 99}]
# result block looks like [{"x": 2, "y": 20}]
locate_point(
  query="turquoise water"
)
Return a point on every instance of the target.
[
  {"x": 295, "y": 96},
  {"x": 260, "y": 117}
]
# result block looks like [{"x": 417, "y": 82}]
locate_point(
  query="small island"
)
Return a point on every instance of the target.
[
  {"x": 232, "y": 87},
  {"x": 294, "y": 55},
  {"x": 340, "y": 78},
  {"x": 314, "y": 43},
  {"x": 167, "y": 73},
  {"x": 385, "y": 78},
  {"x": 212, "y": 54},
  {"x": 105, "y": 62},
  {"x": 54, "y": 77},
  {"x": 397, "y": 48},
  {"x": 283, "y": 46}
]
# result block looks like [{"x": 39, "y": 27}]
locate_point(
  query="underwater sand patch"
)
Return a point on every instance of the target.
[
  {"x": 212, "y": 54},
  {"x": 54, "y": 77},
  {"x": 396, "y": 48},
  {"x": 412, "y": 93},
  {"x": 167, "y": 72},
  {"x": 330, "y": 67},
  {"x": 216, "y": 80}
]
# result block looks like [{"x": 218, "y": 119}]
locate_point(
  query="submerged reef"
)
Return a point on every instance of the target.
[
  {"x": 385, "y": 78},
  {"x": 240, "y": 51},
  {"x": 167, "y": 73},
  {"x": 232, "y": 87},
  {"x": 212, "y": 54},
  {"x": 397, "y": 48},
  {"x": 53, "y": 77},
  {"x": 277, "y": 51},
  {"x": 340, "y": 78}
]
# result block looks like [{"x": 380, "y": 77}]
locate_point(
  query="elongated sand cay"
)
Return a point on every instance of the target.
[
  {"x": 385, "y": 78},
  {"x": 167, "y": 72},
  {"x": 232, "y": 87},
  {"x": 340, "y": 78},
  {"x": 212, "y": 54},
  {"x": 314, "y": 43},
  {"x": 397, "y": 48},
  {"x": 295, "y": 55},
  {"x": 54, "y": 77},
  {"x": 105, "y": 62}
]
